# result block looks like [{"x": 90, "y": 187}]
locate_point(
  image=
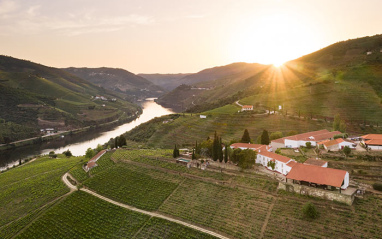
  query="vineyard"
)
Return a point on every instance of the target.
[
  {"x": 84, "y": 216},
  {"x": 335, "y": 220},
  {"x": 131, "y": 187},
  {"x": 27, "y": 188},
  {"x": 158, "y": 159},
  {"x": 160, "y": 228},
  {"x": 235, "y": 212}
]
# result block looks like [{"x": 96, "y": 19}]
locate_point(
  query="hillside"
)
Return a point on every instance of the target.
[
  {"x": 33, "y": 96},
  {"x": 166, "y": 81},
  {"x": 118, "y": 80},
  {"x": 344, "y": 78}
]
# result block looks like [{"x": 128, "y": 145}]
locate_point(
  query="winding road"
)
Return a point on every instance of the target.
[{"x": 152, "y": 214}]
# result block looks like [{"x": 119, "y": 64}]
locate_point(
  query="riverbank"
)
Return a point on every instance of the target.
[{"x": 46, "y": 138}]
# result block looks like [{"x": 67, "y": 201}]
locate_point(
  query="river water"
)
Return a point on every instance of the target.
[{"x": 78, "y": 144}]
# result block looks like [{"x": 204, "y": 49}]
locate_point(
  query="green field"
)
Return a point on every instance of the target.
[{"x": 29, "y": 187}]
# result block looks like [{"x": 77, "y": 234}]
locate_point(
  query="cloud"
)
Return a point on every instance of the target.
[
  {"x": 32, "y": 20},
  {"x": 7, "y": 6}
]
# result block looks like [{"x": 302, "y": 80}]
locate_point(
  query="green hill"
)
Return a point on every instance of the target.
[
  {"x": 33, "y": 96},
  {"x": 166, "y": 81},
  {"x": 118, "y": 80},
  {"x": 344, "y": 78}
]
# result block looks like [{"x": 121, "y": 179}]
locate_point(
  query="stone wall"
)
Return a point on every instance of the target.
[{"x": 317, "y": 192}]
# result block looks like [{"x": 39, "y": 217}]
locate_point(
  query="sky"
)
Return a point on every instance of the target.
[{"x": 178, "y": 36}]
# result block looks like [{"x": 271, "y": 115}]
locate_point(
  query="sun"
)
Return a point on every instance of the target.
[{"x": 273, "y": 39}]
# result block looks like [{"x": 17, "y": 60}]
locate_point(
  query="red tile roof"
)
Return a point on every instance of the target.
[
  {"x": 372, "y": 136},
  {"x": 291, "y": 164},
  {"x": 317, "y": 162},
  {"x": 247, "y": 106},
  {"x": 277, "y": 157},
  {"x": 248, "y": 146},
  {"x": 317, "y": 136},
  {"x": 374, "y": 142},
  {"x": 316, "y": 174}
]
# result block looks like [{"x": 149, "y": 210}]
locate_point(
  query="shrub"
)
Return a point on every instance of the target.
[
  {"x": 377, "y": 186},
  {"x": 310, "y": 211}
]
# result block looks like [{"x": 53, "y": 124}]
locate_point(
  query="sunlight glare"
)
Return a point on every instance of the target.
[{"x": 275, "y": 39}]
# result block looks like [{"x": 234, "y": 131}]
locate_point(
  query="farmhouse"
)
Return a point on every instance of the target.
[
  {"x": 92, "y": 162},
  {"x": 312, "y": 175},
  {"x": 283, "y": 164},
  {"x": 298, "y": 140},
  {"x": 247, "y": 146},
  {"x": 247, "y": 107},
  {"x": 337, "y": 144},
  {"x": 373, "y": 141}
]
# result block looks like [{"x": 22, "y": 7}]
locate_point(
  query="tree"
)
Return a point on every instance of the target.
[
  {"x": 308, "y": 145},
  {"x": 292, "y": 132},
  {"x": 215, "y": 148},
  {"x": 236, "y": 155},
  {"x": 193, "y": 154},
  {"x": 67, "y": 153},
  {"x": 116, "y": 142},
  {"x": 265, "y": 137},
  {"x": 175, "y": 152},
  {"x": 342, "y": 126},
  {"x": 336, "y": 122},
  {"x": 276, "y": 135},
  {"x": 310, "y": 211},
  {"x": 245, "y": 138},
  {"x": 346, "y": 151},
  {"x": 220, "y": 151},
  {"x": 226, "y": 153},
  {"x": 247, "y": 158},
  {"x": 121, "y": 141},
  {"x": 99, "y": 148},
  {"x": 271, "y": 164},
  {"x": 89, "y": 153}
]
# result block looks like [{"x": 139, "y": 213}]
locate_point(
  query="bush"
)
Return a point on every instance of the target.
[
  {"x": 67, "y": 153},
  {"x": 377, "y": 186},
  {"x": 310, "y": 211}
]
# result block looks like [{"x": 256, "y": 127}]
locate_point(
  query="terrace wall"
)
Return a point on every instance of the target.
[{"x": 317, "y": 192}]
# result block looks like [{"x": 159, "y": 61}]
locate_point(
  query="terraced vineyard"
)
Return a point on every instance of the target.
[
  {"x": 147, "y": 156},
  {"x": 98, "y": 219},
  {"x": 131, "y": 187},
  {"x": 335, "y": 221},
  {"x": 235, "y": 212},
  {"x": 29, "y": 187}
]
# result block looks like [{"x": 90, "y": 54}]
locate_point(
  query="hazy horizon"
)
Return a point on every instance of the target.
[{"x": 178, "y": 36}]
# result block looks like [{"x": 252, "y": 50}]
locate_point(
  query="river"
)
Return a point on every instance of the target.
[{"x": 78, "y": 144}]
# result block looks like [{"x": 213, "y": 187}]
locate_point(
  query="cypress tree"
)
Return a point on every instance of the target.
[
  {"x": 220, "y": 150},
  {"x": 265, "y": 137},
  {"x": 245, "y": 138},
  {"x": 116, "y": 142},
  {"x": 226, "y": 154},
  {"x": 175, "y": 152},
  {"x": 215, "y": 149},
  {"x": 193, "y": 154}
]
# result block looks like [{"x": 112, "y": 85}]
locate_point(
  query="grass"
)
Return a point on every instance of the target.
[{"x": 29, "y": 187}]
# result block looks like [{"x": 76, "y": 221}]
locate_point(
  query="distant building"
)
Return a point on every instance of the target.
[
  {"x": 373, "y": 141},
  {"x": 337, "y": 144},
  {"x": 299, "y": 140},
  {"x": 247, "y": 107},
  {"x": 369, "y": 53},
  {"x": 92, "y": 162},
  {"x": 203, "y": 116}
]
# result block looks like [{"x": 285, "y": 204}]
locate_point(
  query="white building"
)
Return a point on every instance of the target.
[
  {"x": 247, "y": 108},
  {"x": 299, "y": 140},
  {"x": 337, "y": 144},
  {"x": 283, "y": 164},
  {"x": 373, "y": 141},
  {"x": 203, "y": 116}
]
